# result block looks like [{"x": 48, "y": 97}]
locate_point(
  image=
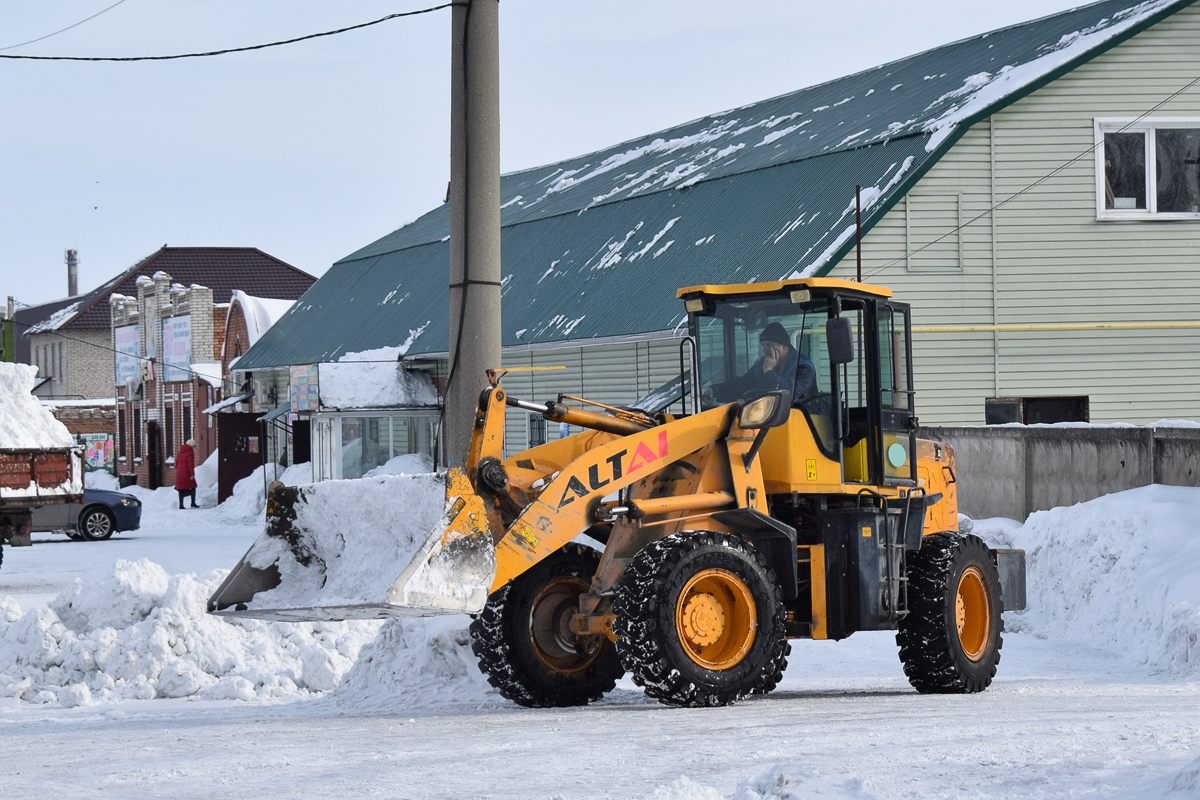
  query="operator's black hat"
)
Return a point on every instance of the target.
[{"x": 775, "y": 332}]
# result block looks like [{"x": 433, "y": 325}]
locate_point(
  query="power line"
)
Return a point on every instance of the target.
[
  {"x": 103, "y": 347},
  {"x": 237, "y": 49},
  {"x": 1086, "y": 153},
  {"x": 164, "y": 365},
  {"x": 64, "y": 30}
]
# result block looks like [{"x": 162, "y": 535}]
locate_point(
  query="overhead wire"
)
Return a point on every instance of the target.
[
  {"x": 63, "y": 30},
  {"x": 245, "y": 49},
  {"x": 77, "y": 340}
]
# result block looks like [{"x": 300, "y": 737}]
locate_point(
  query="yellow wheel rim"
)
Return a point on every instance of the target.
[
  {"x": 716, "y": 619},
  {"x": 554, "y": 643},
  {"x": 973, "y": 613}
]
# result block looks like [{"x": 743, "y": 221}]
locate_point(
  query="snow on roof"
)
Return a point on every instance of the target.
[
  {"x": 985, "y": 89},
  {"x": 55, "y": 320},
  {"x": 209, "y": 372},
  {"x": 375, "y": 379},
  {"x": 25, "y": 424},
  {"x": 228, "y": 401},
  {"x": 260, "y": 313},
  {"x": 102, "y": 401},
  {"x": 769, "y": 194}
]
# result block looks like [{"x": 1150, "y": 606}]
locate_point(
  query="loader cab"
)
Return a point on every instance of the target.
[{"x": 853, "y": 419}]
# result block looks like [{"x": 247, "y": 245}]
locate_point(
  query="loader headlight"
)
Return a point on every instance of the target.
[{"x": 767, "y": 411}]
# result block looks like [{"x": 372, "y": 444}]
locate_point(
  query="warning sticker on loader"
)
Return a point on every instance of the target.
[
  {"x": 811, "y": 466},
  {"x": 524, "y": 536}
]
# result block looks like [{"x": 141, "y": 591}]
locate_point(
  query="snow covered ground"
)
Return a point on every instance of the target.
[{"x": 115, "y": 683}]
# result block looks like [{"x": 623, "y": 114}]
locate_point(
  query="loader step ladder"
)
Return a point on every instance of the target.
[{"x": 893, "y": 546}]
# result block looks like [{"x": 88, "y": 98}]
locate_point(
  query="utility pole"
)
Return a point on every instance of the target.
[{"x": 474, "y": 216}]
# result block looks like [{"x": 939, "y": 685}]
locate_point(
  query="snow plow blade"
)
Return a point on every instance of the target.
[{"x": 373, "y": 548}]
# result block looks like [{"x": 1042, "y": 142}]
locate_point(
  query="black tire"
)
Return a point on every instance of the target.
[
  {"x": 951, "y": 575},
  {"x": 96, "y": 524},
  {"x": 525, "y": 646},
  {"x": 683, "y": 658}
]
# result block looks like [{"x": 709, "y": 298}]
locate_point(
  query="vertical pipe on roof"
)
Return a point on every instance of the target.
[{"x": 72, "y": 273}]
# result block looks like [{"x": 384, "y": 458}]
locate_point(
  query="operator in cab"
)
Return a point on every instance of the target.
[{"x": 780, "y": 367}]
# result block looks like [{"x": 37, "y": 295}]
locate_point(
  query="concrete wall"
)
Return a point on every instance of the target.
[{"x": 1013, "y": 471}]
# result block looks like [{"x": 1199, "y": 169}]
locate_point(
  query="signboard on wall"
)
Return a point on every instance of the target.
[
  {"x": 303, "y": 389},
  {"x": 99, "y": 447},
  {"x": 125, "y": 342},
  {"x": 177, "y": 348}
]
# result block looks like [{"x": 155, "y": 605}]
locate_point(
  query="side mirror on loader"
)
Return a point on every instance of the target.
[{"x": 839, "y": 340}]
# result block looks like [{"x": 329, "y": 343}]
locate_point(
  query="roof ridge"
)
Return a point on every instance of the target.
[{"x": 1130, "y": 4}]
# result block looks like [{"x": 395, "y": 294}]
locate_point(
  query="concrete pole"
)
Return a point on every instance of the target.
[{"x": 474, "y": 216}]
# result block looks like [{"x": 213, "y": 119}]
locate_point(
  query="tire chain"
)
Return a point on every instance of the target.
[
  {"x": 639, "y": 592},
  {"x": 497, "y": 661},
  {"x": 924, "y": 637}
]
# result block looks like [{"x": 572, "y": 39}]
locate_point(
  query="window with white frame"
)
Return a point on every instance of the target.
[{"x": 1148, "y": 168}]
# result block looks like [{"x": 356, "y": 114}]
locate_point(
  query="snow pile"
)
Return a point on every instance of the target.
[
  {"x": 24, "y": 423},
  {"x": 1183, "y": 785},
  {"x": 410, "y": 464},
  {"x": 376, "y": 379},
  {"x": 206, "y": 481},
  {"x": 140, "y": 634},
  {"x": 99, "y": 479},
  {"x": 779, "y": 782},
  {"x": 360, "y": 534},
  {"x": 1120, "y": 573},
  {"x": 249, "y": 498},
  {"x": 416, "y": 663}
]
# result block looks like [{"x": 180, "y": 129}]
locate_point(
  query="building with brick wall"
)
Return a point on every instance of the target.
[
  {"x": 160, "y": 334},
  {"x": 70, "y": 339},
  {"x": 244, "y": 439},
  {"x": 166, "y": 345},
  {"x": 93, "y": 423}
]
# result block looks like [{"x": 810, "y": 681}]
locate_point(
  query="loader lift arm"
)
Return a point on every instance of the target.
[{"x": 547, "y": 496}]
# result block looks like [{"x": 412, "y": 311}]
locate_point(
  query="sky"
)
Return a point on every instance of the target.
[{"x": 313, "y": 150}]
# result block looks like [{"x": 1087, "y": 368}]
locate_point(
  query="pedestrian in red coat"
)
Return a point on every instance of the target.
[{"x": 185, "y": 472}]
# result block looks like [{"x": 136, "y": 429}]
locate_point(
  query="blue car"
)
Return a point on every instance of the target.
[{"x": 101, "y": 514}]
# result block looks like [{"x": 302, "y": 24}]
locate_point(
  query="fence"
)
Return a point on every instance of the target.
[{"x": 1013, "y": 471}]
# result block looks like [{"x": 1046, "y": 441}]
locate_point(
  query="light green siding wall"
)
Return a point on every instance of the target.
[
  {"x": 1054, "y": 261},
  {"x": 612, "y": 373}
]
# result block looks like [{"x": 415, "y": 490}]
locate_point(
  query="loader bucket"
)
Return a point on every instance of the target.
[{"x": 396, "y": 545}]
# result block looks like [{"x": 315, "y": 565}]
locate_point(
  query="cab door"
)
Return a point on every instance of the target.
[{"x": 897, "y": 440}]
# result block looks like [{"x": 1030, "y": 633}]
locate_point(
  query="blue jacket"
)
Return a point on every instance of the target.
[{"x": 796, "y": 374}]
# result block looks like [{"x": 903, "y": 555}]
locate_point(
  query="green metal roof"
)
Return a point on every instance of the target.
[{"x": 596, "y": 245}]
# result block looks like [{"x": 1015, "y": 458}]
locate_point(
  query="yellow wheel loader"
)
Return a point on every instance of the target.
[{"x": 791, "y": 498}]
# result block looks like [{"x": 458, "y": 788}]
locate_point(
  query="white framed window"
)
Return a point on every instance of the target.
[{"x": 1149, "y": 169}]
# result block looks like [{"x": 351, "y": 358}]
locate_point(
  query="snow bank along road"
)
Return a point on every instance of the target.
[{"x": 119, "y": 685}]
